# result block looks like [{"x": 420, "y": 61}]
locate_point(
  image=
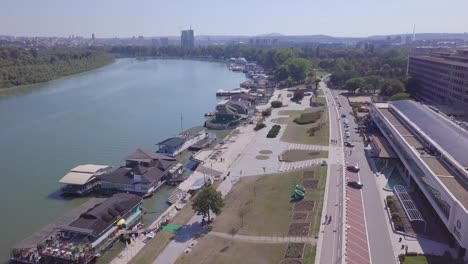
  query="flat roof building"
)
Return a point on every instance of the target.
[
  {"x": 82, "y": 179},
  {"x": 443, "y": 78},
  {"x": 432, "y": 149}
]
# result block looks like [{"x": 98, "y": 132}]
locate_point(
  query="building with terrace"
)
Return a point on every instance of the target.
[
  {"x": 82, "y": 179},
  {"x": 433, "y": 150},
  {"x": 144, "y": 172},
  {"x": 82, "y": 234}
]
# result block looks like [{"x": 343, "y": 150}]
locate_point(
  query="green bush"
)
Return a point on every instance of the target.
[
  {"x": 266, "y": 112},
  {"x": 308, "y": 118},
  {"x": 276, "y": 104},
  {"x": 259, "y": 126},
  {"x": 273, "y": 131}
]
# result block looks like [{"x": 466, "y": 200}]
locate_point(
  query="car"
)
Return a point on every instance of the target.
[
  {"x": 353, "y": 168},
  {"x": 343, "y": 115},
  {"x": 355, "y": 184},
  {"x": 349, "y": 144},
  {"x": 346, "y": 133}
]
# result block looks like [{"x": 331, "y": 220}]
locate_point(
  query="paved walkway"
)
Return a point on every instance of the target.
[
  {"x": 307, "y": 147},
  {"x": 287, "y": 166},
  {"x": 265, "y": 239}
]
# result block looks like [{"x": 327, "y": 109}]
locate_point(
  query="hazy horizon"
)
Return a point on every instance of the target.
[{"x": 108, "y": 19}]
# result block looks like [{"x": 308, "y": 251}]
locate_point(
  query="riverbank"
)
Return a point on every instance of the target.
[{"x": 9, "y": 90}]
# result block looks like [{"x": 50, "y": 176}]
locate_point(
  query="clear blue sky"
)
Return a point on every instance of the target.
[{"x": 110, "y": 18}]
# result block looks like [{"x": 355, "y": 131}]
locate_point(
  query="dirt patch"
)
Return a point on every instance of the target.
[
  {"x": 294, "y": 155},
  {"x": 214, "y": 250},
  {"x": 310, "y": 184},
  {"x": 304, "y": 206},
  {"x": 262, "y": 157},
  {"x": 281, "y": 120},
  {"x": 265, "y": 152},
  {"x": 299, "y": 229},
  {"x": 300, "y": 216},
  {"x": 308, "y": 175},
  {"x": 295, "y": 250}
]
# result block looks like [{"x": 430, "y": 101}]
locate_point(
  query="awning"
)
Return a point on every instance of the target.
[
  {"x": 121, "y": 222},
  {"x": 77, "y": 178}
]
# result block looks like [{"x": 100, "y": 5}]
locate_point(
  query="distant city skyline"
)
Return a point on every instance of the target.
[{"x": 119, "y": 18}]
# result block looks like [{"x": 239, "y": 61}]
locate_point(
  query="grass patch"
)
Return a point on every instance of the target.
[
  {"x": 216, "y": 250},
  {"x": 274, "y": 131},
  {"x": 255, "y": 201},
  {"x": 426, "y": 260},
  {"x": 308, "y": 118},
  {"x": 309, "y": 254},
  {"x": 294, "y": 155},
  {"x": 395, "y": 214},
  {"x": 262, "y": 157},
  {"x": 295, "y": 133}
]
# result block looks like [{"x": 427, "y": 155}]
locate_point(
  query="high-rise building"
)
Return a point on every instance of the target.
[
  {"x": 92, "y": 36},
  {"x": 442, "y": 77},
  {"x": 187, "y": 39}
]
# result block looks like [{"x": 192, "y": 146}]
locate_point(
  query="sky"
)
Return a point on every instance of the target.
[{"x": 340, "y": 18}]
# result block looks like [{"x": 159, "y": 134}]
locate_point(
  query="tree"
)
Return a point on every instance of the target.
[
  {"x": 353, "y": 84},
  {"x": 373, "y": 82},
  {"x": 317, "y": 81},
  {"x": 208, "y": 200},
  {"x": 411, "y": 85},
  {"x": 400, "y": 96},
  {"x": 391, "y": 87},
  {"x": 298, "y": 94}
]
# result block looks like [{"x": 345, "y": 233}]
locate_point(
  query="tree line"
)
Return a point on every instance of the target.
[{"x": 19, "y": 66}]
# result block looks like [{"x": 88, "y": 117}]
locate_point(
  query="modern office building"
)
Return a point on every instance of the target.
[
  {"x": 432, "y": 150},
  {"x": 443, "y": 78},
  {"x": 187, "y": 38}
]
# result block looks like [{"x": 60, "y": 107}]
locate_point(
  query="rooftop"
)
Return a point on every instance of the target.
[
  {"x": 440, "y": 60},
  {"x": 435, "y": 164},
  {"x": 147, "y": 156},
  {"x": 100, "y": 217},
  {"x": 444, "y": 132},
  {"x": 45, "y": 232},
  {"x": 174, "y": 142}
]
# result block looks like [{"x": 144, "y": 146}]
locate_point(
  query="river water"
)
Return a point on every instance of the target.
[{"x": 97, "y": 117}]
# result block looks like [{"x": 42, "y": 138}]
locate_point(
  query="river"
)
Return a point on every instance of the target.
[{"x": 96, "y": 117}]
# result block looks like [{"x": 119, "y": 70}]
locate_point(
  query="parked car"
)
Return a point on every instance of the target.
[
  {"x": 343, "y": 115},
  {"x": 355, "y": 184},
  {"x": 353, "y": 168},
  {"x": 349, "y": 144}
]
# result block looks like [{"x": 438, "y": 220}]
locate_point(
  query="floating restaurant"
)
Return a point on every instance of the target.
[{"x": 81, "y": 235}]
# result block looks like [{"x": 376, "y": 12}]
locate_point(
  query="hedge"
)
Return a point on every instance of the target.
[
  {"x": 266, "y": 112},
  {"x": 276, "y": 104},
  {"x": 273, "y": 131},
  {"x": 259, "y": 126},
  {"x": 395, "y": 214}
]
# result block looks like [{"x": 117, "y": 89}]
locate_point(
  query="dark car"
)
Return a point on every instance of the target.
[
  {"x": 353, "y": 168},
  {"x": 343, "y": 115},
  {"x": 355, "y": 184},
  {"x": 349, "y": 144}
]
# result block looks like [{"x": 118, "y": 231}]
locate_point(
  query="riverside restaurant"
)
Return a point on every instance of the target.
[{"x": 82, "y": 234}]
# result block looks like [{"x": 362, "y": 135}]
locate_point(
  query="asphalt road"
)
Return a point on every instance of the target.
[
  {"x": 380, "y": 245},
  {"x": 331, "y": 246}
]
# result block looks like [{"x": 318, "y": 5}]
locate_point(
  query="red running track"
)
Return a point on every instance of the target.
[{"x": 357, "y": 246}]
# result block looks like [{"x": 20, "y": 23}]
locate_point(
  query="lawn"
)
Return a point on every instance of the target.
[
  {"x": 211, "y": 249},
  {"x": 426, "y": 260},
  {"x": 294, "y": 155},
  {"x": 295, "y": 133},
  {"x": 308, "y": 118},
  {"x": 255, "y": 201},
  {"x": 309, "y": 254}
]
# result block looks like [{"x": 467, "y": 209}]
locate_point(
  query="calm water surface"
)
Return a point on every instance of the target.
[{"x": 97, "y": 117}]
